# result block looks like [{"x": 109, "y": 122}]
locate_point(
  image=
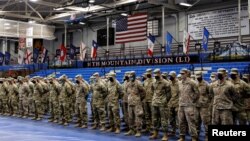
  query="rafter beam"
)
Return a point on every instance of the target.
[
  {"x": 166, "y": 5},
  {"x": 19, "y": 16},
  {"x": 35, "y": 11}
]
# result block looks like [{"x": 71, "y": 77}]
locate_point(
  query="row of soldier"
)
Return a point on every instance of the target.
[{"x": 150, "y": 104}]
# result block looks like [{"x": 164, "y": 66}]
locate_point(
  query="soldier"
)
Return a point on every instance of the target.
[
  {"x": 81, "y": 96},
  {"x": 136, "y": 94},
  {"x": 203, "y": 104},
  {"x": 192, "y": 77},
  {"x": 64, "y": 100},
  {"x": 179, "y": 77},
  {"x": 173, "y": 103},
  {"x": 213, "y": 77},
  {"x": 165, "y": 75},
  {"x": 45, "y": 94},
  {"x": 115, "y": 93},
  {"x": 187, "y": 111},
  {"x": 147, "y": 102},
  {"x": 23, "y": 91},
  {"x": 243, "y": 92},
  {"x": 224, "y": 97},
  {"x": 37, "y": 95},
  {"x": 91, "y": 80},
  {"x": 125, "y": 98},
  {"x": 30, "y": 97},
  {"x": 54, "y": 99},
  {"x": 245, "y": 78},
  {"x": 13, "y": 97},
  {"x": 72, "y": 97},
  {"x": 99, "y": 94},
  {"x": 162, "y": 94},
  {"x": 3, "y": 97}
]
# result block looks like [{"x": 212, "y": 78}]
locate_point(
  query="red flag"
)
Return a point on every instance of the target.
[
  {"x": 63, "y": 52},
  {"x": 186, "y": 42}
]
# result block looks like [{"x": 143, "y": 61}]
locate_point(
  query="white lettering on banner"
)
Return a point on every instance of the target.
[
  {"x": 220, "y": 23},
  {"x": 29, "y": 33}
]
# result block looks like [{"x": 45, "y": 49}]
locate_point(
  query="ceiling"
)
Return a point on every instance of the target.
[{"x": 44, "y": 11}]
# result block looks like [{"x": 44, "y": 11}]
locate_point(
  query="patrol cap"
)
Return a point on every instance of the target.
[
  {"x": 179, "y": 76},
  {"x": 172, "y": 73},
  {"x": 127, "y": 72},
  {"x": 184, "y": 70},
  {"x": 148, "y": 71},
  {"x": 213, "y": 74},
  {"x": 20, "y": 78},
  {"x": 78, "y": 76},
  {"x": 164, "y": 74},
  {"x": 234, "y": 71},
  {"x": 199, "y": 73},
  {"x": 192, "y": 76},
  {"x": 27, "y": 77},
  {"x": 112, "y": 74},
  {"x": 221, "y": 71},
  {"x": 157, "y": 72},
  {"x": 132, "y": 73},
  {"x": 246, "y": 76},
  {"x": 92, "y": 77},
  {"x": 96, "y": 74}
]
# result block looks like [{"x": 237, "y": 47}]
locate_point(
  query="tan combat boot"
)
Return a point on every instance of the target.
[
  {"x": 154, "y": 135},
  {"x": 138, "y": 133},
  {"x": 129, "y": 133},
  {"x": 94, "y": 127},
  {"x": 111, "y": 129},
  {"x": 165, "y": 137},
  {"x": 102, "y": 128},
  {"x": 194, "y": 138},
  {"x": 182, "y": 138},
  {"x": 84, "y": 126},
  {"x": 117, "y": 130}
]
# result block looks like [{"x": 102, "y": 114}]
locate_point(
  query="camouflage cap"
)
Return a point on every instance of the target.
[
  {"x": 78, "y": 76},
  {"x": 221, "y": 70},
  {"x": 184, "y": 70},
  {"x": 192, "y": 76},
  {"x": 20, "y": 78},
  {"x": 234, "y": 71},
  {"x": 127, "y": 72},
  {"x": 172, "y": 73},
  {"x": 164, "y": 74},
  {"x": 112, "y": 74},
  {"x": 149, "y": 71},
  {"x": 92, "y": 77},
  {"x": 132, "y": 73},
  {"x": 179, "y": 76},
  {"x": 157, "y": 72},
  {"x": 96, "y": 74},
  {"x": 213, "y": 74},
  {"x": 246, "y": 76},
  {"x": 199, "y": 73}
]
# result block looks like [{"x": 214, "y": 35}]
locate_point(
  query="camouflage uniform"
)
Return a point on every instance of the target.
[
  {"x": 23, "y": 91},
  {"x": 135, "y": 111},
  {"x": 98, "y": 96},
  {"x": 13, "y": 97},
  {"x": 203, "y": 103},
  {"x": 247, "y": 100},
  {"x": 64, "y": 100},
  {"x": 224, "y": 97},
  {"x": 114, "y": 94},
  {"x": 45, "y": 95},
  {"x": 187, "y": 112},
  {"x": 37, "y": 94},
  {"x": 54, "y": 100},
  {"x": 147, "y": 102},
  {"x": 31, "y": 98},
  {"x": 81, "y": 95},
  {"x": 162, "y": 94},
  {"x": 173, "y": 103},
  {"x": 125, "y": 98},
  {"x": 243, "y": 92},
  {"x": 4, "y": 109}
]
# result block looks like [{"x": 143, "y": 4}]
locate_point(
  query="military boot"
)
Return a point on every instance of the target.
[
  {"x": 78, "y": 125},
  {"x": 194, "y": 138},
  {"x": 165, "y": 137},
  {"x": 111, "y": 129},
  {"x": 84, "y": 126},
  {"x": 154, "y": 135},
  {"x": 138, "y": 133},
  {"x": 55, "y": 121},
  {"x": 182, "y": 138},
  {"x": 94, "y": 127},
  {"x": 129, "y": 133},
  {"x": 117, "y": 130},
  {"x": 51, "y": 120},
  {"x": 66, "y": 124},
  {"x": 102, "y": 127}
]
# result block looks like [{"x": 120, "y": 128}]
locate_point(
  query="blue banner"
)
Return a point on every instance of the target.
[
  {"x": 1, "y": 58},
  {"x": 7, "y": 58},
  {"x": 35, "y": 55},
  {"x": 72, "y": 51},
  {"x": 169, "y": 41},
  {"x": 205, "y": 38}
]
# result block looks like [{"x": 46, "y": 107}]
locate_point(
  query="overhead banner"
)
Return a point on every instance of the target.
[
  {"x": 220, "y": 23},
  {"x": 29, "y": 33}
]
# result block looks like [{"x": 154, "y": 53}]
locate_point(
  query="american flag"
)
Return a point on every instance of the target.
[{"x": 131, "y": 29}]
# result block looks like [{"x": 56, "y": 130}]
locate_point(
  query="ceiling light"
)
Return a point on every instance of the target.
[
  {"x": 6, "y": 24},
  {"x": 7, "y": 27},
  {"x": 82, "y": 23},
  {"x": 33, "y": 0},
  {"x": 91, "y": 1},
  {"x": 124, "y": 14},
  {"x": 185, "y": 4},
  {"x": 59, "y": 8},
  {"x": 31, "y": 21}
]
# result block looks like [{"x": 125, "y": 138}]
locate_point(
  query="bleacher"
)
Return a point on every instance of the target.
[{"x": 244, "y": 67}]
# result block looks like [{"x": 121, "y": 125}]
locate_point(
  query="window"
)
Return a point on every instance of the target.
[{"x": 153, "y": 27}]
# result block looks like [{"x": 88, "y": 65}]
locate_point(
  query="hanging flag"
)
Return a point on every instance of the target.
[
  {"x": 1, "y": 58},
  {"x": 151, "y": 43},
  {"x": 131, "y": 29},
  {"x": 83, "y": 50},
  {"x": 44, "y": 55},
  {"x": 169, "y": 40},
  {"x": 72, "y": 51},
  {"x": 28, "y": 56},
  {"x": 94, "y": 49},
  {"x": 22, "y": 42},
  {"x": 186, "y": 41},
  {"x": 63, "y": 52},
  {"x": 7, "y": 58},
  {"x": 35, "y": 55},
  {"x": 205, "y": 38},
  {"x": 20, "y": 56}
]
